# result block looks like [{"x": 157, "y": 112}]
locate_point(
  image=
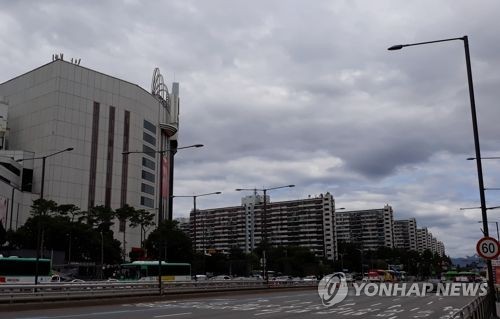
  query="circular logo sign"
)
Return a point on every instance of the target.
[
  {"x": 487, "y": 247},
  {"x": 332, "y": 289}
]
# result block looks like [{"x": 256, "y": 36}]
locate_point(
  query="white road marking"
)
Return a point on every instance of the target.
[
  {"x": 414, "y": 309},
  {"x": 430, "y": 302},
  {"x": 376, "y": 304},
  {"x": 174, "y": 314}
]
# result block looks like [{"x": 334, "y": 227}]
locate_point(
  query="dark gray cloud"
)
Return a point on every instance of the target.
[{"x": 300, "y": 92}]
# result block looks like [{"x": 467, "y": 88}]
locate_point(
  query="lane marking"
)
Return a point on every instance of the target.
[
  {"x": 174, "y": 314},
  {"x": 430, "y": 302},
  {"x": 376, "y": 304}
]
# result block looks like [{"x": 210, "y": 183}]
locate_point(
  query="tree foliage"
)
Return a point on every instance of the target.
[{"x": 175, "y": 244}]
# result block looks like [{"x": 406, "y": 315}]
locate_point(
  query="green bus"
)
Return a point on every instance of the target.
[
  {"x": 148, "y": 270},
  {"x": 17, "y": 270}
]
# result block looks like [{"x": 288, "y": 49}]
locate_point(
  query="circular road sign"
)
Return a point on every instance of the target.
[{"x": 487, "y": 247}]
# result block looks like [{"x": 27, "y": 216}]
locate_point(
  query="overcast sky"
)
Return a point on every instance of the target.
[{"x": 301, "y": 92}]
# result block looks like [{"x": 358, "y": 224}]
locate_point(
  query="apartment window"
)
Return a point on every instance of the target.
[
  {"x": 148, "y": 138},
  {"x": 148, "y": 176},
  {"x": 147, "y": 189},
  {"x": 148, "y": 163},
  {"x": 149, "y": 151},
  {"x": 150, "y": 127},
  {"x": 146, "y": 201}
]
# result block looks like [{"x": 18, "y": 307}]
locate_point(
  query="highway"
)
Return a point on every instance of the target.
[{"x": 278, "y": 304}]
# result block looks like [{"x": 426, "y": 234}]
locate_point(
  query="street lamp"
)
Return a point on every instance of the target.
[
  {"x": 361, "y": 253},
  {"x": 487, "y": 208},
  {"x": 39, "y": 224},
  {"x": 498, "y": 233},
  {"x": 465, "y": 40},
  {"x": 161, "y": 153},
  {"x": 194, "y": 211},
  {"x": 194, "y": 220},
  {"x": 488, "y": 158},
  {"x": 264, "y": 221}
]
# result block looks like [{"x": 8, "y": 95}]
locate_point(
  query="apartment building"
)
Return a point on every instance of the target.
[
  {"x": 305, "y": 222},
  {"x": 405, "y": 234},
  {"x": 371, "y": 229}
]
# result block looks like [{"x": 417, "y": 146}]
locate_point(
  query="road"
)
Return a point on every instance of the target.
[{"x": 279, "y": 304}]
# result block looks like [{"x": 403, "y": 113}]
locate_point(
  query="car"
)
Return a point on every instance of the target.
[
  {"x": 200, "y": 277},
  {"x": 349, "y": 278},
  {"x": 221, "y": 277},
  {"x": 435, "y": 283},
  {"x": 310, "y": 278},
  {"x": 76, "y": 280}
]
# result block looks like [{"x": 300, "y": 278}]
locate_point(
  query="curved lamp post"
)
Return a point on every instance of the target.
[
  {"x": 465, "y": 40},
  {"x": 264, "y": 221},
  {"x": 161, "y": 153},
  {"x": 194, "y": 220},
  {"x": 39, "y": 226}
]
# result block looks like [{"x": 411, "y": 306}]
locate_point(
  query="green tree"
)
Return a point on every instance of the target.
[
  {"x": 3, "y": 235},
  {"x": 99, "y": 217},
  {"x": 69, "y": 211},
  {"x": 143, "y": 219},
  {"x": 123, "y": 214},
  {"x": 175, "y": 243}
]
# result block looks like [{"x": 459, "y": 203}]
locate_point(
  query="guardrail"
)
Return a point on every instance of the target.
[
  {"x": 479, "y": 308},
  {"x": 16, "y": 293}
]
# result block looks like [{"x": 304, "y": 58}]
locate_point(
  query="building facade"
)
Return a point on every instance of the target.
[
  {"x": 405, "y": 234},
  {"x": 371, "y": 229},
  {"x": 305, "y": 222},
  {"x": 64, "y": 105}
]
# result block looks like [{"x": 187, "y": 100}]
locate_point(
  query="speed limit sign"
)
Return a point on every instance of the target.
[{"x": 487, "y": 247}]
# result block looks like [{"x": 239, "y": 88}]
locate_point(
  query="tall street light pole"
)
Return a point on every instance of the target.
[
  {"x": 487, "y": 208},
  {"x": 39, "y": 224},
  {"x": 161, "y": 153},
  {"x": 498, "y": 233},
  {"x": 477, "y": 149},
  {"x": 194, "y": 221},
  {"x": 264, "y": 222}
]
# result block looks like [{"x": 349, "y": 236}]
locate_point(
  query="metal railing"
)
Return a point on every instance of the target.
[
  {"x": 17, "y": 293},
  {"x": 479, "y": 308}
]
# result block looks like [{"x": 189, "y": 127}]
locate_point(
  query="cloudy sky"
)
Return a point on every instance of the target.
[{"x": 301, "y": 92}]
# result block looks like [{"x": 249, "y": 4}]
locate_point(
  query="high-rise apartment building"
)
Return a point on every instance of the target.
[
  {"x": 371, "y": 229},
  {"x": 405, "y": 234},
  {"x": 305, "y": 222}
]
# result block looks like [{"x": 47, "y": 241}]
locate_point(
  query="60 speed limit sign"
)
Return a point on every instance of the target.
[{"x": 487, "y": 247}]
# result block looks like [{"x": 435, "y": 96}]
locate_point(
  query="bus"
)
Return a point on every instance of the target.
[
  {"x": 462, "y": 276},
  {"x": 16, "y": 270},
  {"x": 148, "y": 270},
  {"x": 382, "y": 275}
]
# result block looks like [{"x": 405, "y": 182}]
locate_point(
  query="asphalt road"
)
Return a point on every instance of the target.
[{"x": 279, "y": 304}]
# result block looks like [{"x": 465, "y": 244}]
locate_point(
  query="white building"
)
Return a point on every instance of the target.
[
  {"x": 372, "y": 228},
  {"x": 405, "y": 234},
  {"x": 304, "y": 222},
  {"x": 64, "y": 105}
]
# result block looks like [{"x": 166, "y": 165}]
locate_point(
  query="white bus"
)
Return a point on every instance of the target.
[{"x": 16, "y": 270}]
